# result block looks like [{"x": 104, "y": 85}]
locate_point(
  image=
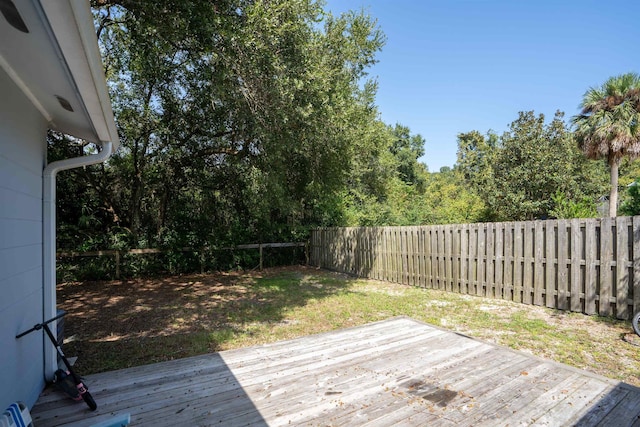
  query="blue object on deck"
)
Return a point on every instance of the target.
[
  {"x": 117, "y": 421},
  {"x": 18, "y": 415}
]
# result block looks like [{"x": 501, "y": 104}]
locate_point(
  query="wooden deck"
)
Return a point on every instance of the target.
[{"x": 394, "y": 372}]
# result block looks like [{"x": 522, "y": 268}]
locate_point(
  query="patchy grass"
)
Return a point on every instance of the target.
[{"x": 119, "y": 324}]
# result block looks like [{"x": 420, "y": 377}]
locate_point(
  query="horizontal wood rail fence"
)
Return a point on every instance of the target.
[
  {"x": 584, "y": 265},
  {"x": 119, "y": 253}
]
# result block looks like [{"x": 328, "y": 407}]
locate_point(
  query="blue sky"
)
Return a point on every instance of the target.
[{"x": 452, "y": 66}]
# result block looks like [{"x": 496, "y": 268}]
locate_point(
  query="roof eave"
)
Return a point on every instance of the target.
[{"x": 72, "y": 24}]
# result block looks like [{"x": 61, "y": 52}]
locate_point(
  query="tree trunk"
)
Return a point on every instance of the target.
[
  {"x": 139, "y": 158},
  {"x": 613, "y": 194}
]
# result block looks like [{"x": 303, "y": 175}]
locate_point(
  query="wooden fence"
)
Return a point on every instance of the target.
[
  {"x": 117, "y": 254},
  {"x": 584, "y": 265}
]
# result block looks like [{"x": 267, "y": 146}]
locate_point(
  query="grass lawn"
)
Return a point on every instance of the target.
[{"x": 119, "y": 324}]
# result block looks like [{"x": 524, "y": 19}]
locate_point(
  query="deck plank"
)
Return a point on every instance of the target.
[{"x": 393, "y": 372}]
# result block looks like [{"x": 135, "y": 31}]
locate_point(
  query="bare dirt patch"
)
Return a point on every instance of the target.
[{"x": 118, "y": 324}]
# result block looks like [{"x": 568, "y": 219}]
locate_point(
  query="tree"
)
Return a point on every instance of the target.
[
  {"x": 407, "y": 149},
  {"x": 475, "y": 162},
  {"x": 631, "y": 205},
  {"x": 449, "y": 200},
  {"x": 609, "y": 125},
  {"x": 385, "y": 180},
  {"x": 239, "y": 119},
  {"x": 519, "y": 174},
  {"x": 535, "y": 161},
  {"x": 475, "y": 156}
]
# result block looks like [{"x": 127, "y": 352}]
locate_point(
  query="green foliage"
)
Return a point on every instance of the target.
[
  {"x": 443, "y": 198},
  {"x": 631, "y": 204},
  {"x": 531, "y": 165},
  {"x": 240, "y": 121},
  {"x": 565, "y": 208},
  {"x": 607, "y": 127},
  {"x": 518, "y": 174},
  {"x": 476, "y": 157},
  {"x": 407, "y": 149},
  {"x": 450, "y": 201},
  {"x": 247, "y": 121}
]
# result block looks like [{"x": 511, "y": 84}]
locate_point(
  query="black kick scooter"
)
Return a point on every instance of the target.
[{"x": 67, "y": 380}]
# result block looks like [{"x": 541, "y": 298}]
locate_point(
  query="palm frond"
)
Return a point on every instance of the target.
[{"x": 609, "y": 122}]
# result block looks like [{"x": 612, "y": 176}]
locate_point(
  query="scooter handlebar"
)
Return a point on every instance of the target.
[{"x": 40, "y": 325}]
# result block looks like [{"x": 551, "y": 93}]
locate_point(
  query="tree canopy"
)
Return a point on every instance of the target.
[
  {"x": 519, "y": 173},
  {"x": 239, "y": 120}
]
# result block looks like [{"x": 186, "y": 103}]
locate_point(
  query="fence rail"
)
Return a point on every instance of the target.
[
  {"x": 583, "y": 265},
  {"x": 117, "y": 254}
]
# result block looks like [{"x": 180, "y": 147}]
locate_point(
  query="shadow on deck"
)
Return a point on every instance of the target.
[
  {"x": 397, "y": 371},
  {"x": 168, "y": 393}
]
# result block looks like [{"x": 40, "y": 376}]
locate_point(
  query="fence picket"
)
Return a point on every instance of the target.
[
  {"x": 540, "y": 261},
  {"x": 550, "y": 265},
  {"x": 575, "y": 284},
  {"x": 433, "y": 240},
  {"x": 481, "y": 257},
  {"x": 621, "y": 283},
  {"x": 420, "y": 255},
  {"x": 473, "y": 260},
  {"x": 382, "y": 247},
  {"x": 455, "y": 254},
  {"x": 412, "y": 256},
  {"x": 563, "y": 275},
  {"x": 606, "y": 262},
  {"x": 499, "y": 261},
  {"x": 379, "y": 257},
  {"x": 464, "y": 259},
  {"x": 490, "y": 273},
  {"x": 446, "y": 231},
  {"x": 517, "y": 262},
  {"x": 394, "y": 255},
  {"x": 507, "y": 275},
  {"x": 636, "y": 264},
  {"x": 528, "y": 260},
  {"x": 591, "y": 266}
]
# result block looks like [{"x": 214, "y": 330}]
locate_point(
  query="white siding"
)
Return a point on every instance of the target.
[{"x": 22, "y": 157}]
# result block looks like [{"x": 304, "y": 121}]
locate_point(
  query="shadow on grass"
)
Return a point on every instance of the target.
[{"x": 119, "y": 324}]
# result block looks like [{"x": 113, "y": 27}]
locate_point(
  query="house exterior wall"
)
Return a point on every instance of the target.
[{"x": 22, "y": 158}]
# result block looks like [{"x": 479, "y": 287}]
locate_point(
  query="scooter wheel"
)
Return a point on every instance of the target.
[
  {"x": 634, "y": 323},
  {"x": 88, "y": 399}
]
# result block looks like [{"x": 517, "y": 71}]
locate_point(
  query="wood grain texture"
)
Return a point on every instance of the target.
[
  {"x": 394, "y": 372},
  {"x": 587, "y": 265}
]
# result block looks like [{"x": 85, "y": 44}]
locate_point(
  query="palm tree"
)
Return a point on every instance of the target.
[{"x": 608, "y": 125}]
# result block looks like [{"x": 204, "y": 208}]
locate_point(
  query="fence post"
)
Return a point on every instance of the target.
[
  {"x": 117, "y": 265},
  {"x": 306, "y": 252}
]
